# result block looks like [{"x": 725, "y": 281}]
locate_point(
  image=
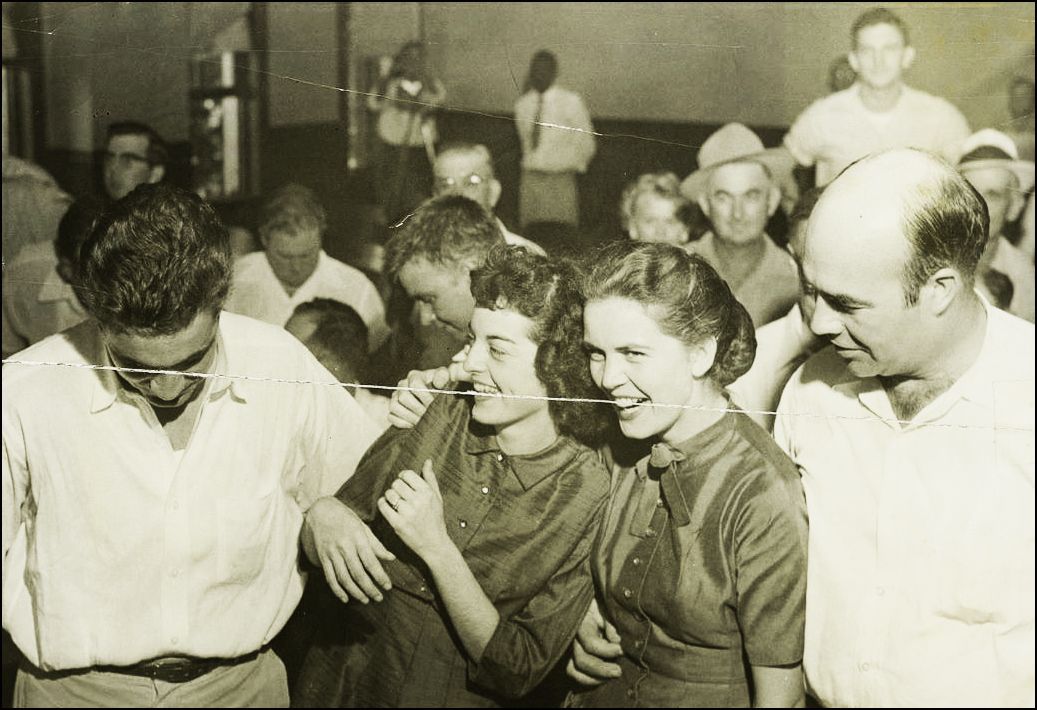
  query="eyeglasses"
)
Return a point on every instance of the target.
[
  {"x": 443, "y": 184},
  {"x": 125, "y": 160}
]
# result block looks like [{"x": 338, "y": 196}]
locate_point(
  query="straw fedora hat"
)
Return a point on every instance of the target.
[{"x": 733, "y": 143}]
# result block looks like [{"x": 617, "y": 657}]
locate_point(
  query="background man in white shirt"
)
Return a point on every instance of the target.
[{"x": 293, "y": 268}]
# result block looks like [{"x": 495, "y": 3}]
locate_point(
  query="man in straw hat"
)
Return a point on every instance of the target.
[
  {"x": 990, "y": 161},
  {"x": 736, "y": 185}
]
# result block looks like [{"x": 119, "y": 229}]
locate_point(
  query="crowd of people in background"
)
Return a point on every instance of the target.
[{"x": 698, "y": 465}]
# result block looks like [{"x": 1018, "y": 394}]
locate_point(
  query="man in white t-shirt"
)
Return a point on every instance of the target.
[
  {"x": 293, "y": 268},
  {"x": 879, "y": 112}
]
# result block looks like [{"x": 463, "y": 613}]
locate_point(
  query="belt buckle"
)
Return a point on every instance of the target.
[{"x": 177, "y": 670}]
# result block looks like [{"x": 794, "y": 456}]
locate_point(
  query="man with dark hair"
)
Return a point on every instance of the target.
[
  {"x": 151, "y": 555},
  {"x": 39, "y": 299},
  {"x": 558, "y": 143},
  {"x": 435, "y": 250},
  {"x": 337, "y": 337},
  {"x": 914, "y": 437},
  {"x": 293, "y": 267},
  {"x": 134, "y": 154},
  {"x": 879, "y": 111}
]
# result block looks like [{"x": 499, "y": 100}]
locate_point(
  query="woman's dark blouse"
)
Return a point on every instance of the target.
[
  {"x": 524, "y": 525},
  {"x": 701, "y": 566}
]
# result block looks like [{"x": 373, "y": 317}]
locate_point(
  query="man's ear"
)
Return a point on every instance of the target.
[
  {"x": 704, "y": 205},
  {"x": 495, "y": 190},
  {"x": 852, "y": 57},
  {"x": 157, "y": 173},
  {"x": 773, "y": 199},
  {"x": 908, "y": 59},
  {"x": 1016, "y": 203},
  {"x": 941, "y": 289}
]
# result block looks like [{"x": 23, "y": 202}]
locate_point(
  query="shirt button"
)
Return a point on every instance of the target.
[
  {"x": 463, "y": 523},
  {"x": 423, "y": 588},
  {"x": 659, "y": 503},
  {"x": 636, "y": 561},
  {"x": 627, "y": 593},
  {"x": 865, "y": 667},
  {"x": 500, "y": 457},
  {"x": 174, "y": 573},
  {"x": 650, "y": 532},
  {"x": 485, "y": 490}
]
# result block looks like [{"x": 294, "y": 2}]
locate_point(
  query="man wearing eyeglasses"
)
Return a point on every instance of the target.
[
  {"x": 134, "y": 154},
  {"x": 156, "y": 477},
  {"x": 467, "y": 169}
]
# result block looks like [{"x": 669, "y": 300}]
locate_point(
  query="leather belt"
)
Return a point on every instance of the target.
[{"x": 177, "y": 669}]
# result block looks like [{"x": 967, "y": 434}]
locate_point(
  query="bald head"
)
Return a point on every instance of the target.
[
  {"x": 890, "y": 254},
  {"x": 907, "y": 209}
]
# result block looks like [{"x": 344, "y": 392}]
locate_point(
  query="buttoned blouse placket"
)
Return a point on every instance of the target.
[{"x": 649, "y": 526}]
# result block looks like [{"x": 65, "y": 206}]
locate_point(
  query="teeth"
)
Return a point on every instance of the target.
[
  {"x": 485, "y": 389},
  {"x": 627, "y": 402}
]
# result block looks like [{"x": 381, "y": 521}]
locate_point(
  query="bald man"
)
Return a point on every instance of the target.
[{"x": 914, "y": 436}]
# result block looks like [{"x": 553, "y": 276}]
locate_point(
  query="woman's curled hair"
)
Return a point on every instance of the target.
[
  {"x": 684, "y": 293},
  {"x": 547, "y": 292}
]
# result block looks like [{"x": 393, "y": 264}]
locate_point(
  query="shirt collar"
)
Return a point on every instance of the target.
[
  {"x": 530, "y": 469},
  {"x": 108, "y": 385},
  {"x": 677, "y": 467}
]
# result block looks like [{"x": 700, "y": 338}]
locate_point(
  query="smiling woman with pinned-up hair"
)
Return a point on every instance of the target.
[{"x": 700, "y": 568}]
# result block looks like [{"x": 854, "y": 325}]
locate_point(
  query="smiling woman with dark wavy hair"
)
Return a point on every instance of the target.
[{"x": 481, "y": 517}]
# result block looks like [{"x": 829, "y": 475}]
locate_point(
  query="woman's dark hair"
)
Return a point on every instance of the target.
[
  {"x": 686, "y": 296},
  {"x": 547, "y": 292}
]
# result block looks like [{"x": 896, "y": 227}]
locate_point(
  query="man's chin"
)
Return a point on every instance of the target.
[{"x": 859, "y": 364}]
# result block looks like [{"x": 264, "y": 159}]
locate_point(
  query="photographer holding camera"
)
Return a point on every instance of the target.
[{"x": 405, "y": 99}]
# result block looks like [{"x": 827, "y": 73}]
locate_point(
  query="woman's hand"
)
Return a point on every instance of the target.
[{"x": 413, "y": 507}]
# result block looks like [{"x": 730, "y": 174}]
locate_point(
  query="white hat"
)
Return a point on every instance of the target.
[
  {"x": 990, "y": 148},
  {"x": 732, "y": 143}
]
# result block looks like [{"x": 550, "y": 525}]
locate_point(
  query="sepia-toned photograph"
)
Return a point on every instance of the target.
[{"x": 527, "y": 354}]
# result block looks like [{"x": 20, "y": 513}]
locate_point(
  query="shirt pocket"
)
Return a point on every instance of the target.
[{"x": 245, "y": 528}]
